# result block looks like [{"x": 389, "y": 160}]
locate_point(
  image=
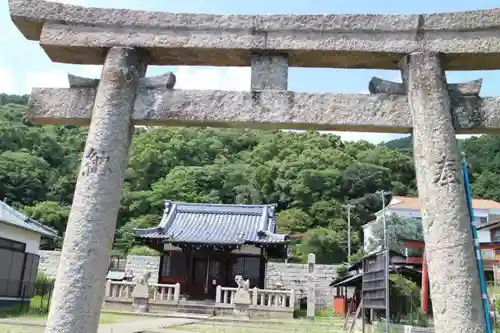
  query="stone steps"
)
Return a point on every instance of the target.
[{"x": 203, "y": 309}]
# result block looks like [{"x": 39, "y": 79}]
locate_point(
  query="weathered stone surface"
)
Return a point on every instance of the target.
[
  {"x": 380, "y": 86},
  {"x": 269, "y": 72},
  {"x": 80, "y": 282},
  {"x": 454, "y": 278},
  {"x": 166, "y": 80},
  {"x": 75, "y": 34},
  {"x": 82, "y": 82},
  {"x": 264, "y": 109}
]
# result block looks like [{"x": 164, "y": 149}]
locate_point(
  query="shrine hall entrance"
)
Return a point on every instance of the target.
[
  {"x": 206, "y": 275},
  {"x": 200, "y": 272}
]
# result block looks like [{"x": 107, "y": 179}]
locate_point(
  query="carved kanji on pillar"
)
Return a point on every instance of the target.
[{"x": 447, "y": 171}]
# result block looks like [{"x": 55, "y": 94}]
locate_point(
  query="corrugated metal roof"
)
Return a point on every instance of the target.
[
  {"x": 215, "y": 224},
  {"x": 13, "y": 217}
]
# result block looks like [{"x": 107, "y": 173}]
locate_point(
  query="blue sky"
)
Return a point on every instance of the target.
[{"x": 23, "y": 64}]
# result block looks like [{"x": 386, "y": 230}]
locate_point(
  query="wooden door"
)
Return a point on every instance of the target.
[
  {"x": 214, "y": 277},
  {"x": 199, "y": 278}
]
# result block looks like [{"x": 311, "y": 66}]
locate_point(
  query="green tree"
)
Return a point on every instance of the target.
[
  {"x": 325, "y": 243},
  {"x": 125, "y": 239},
  {"x": 309, "y": 176},
  {"x": 294, "y": 220},
  {"x": 398, "y": 229},
  {"x": 51, "y": 213}
]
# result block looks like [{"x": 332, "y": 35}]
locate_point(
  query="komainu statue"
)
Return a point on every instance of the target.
[
  {"x": 143, "y": 279},
  {"x": 241, "y": 283}
]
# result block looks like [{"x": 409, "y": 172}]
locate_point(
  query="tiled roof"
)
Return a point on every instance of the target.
[
  {"x": 13, "y": 217},
  {"x": 215, "y": 224},
  {"x": 414, "y": 203}
]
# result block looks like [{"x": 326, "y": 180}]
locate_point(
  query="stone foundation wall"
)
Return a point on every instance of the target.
[
  {"x": 142, "y": 264},
  {"x": 293, "y": 276}
]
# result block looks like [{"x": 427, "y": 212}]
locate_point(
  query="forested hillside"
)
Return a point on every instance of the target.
[{"x": 309, "y": 176}]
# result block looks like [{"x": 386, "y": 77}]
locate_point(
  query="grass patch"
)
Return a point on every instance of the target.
[
  {"x": 493, "y": 290},
  {"x": 257, "y": 327},
  {"x": 22, "y": 311},
  {"x": 218, "y": 329},
  {"x": 105, "y": 318},
  {"x": 20, "y": 329},
  {"x": 38, "y": 308},
  {"x": 111, "y": 318}
]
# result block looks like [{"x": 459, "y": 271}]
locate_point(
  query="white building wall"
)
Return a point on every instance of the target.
[
  {"x": 31, "y": 239},
  {"x": 484, "y": 236}
]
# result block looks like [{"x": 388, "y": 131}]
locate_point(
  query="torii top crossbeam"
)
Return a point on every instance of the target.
[
  {"x": 79, "y": 35},
  {"x": 83, "y": 35}
]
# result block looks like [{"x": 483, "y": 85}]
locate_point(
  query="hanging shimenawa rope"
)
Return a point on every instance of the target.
[{"x": 477, "y": 248}]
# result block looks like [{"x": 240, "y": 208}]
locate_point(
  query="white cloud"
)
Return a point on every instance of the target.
[
  {"x": 232, "y": 78},
  {"x": 54, "y": 79},
  {"x": 6, "y": 82}
]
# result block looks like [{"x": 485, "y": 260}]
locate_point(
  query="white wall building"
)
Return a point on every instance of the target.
[
  {"x": 485, "y": 211},
  {"x": 20, "y": 238}
]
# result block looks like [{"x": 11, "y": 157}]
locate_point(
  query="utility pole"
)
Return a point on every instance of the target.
[
  {"x": 382, "y": 194},
  {"x": 348, "y": 206}
]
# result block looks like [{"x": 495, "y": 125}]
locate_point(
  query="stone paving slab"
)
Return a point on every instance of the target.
[
  {"x": 123, "y": 327},
  {"x": 140, "y": 326},
  {"x": 17, "y": 321},
  {"x": 187, "y": 315}
]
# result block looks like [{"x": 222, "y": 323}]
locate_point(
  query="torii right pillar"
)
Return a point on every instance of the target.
[{"x": 454, "y": 278}]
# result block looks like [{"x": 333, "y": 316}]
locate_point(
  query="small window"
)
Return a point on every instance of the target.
[
  {"x": 12, "y": 245},
  {"x": 481, "y": 220}
]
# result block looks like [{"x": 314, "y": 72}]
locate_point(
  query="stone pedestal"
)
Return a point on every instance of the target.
[
  {"x": 241, "y": 303},
  {"x": 141, "y": 305},
  {"x": 141, "y": 298}
]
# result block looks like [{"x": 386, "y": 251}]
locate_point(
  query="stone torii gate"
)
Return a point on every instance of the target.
[{"x": 126, "y": 41}]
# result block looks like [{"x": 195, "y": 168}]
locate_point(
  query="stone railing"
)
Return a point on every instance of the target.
[
  {"x": 119, "y": 290},
  {"x": 284, "y": 299},
  {"x": 165, "y": 292},
  {"x": 224, "y": 296},
  {"x": 261, "y": 298},
  {"x": 159, "y": 293}
]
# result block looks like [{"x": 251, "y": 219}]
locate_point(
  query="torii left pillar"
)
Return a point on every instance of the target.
[{"x": 81, "y": 276}]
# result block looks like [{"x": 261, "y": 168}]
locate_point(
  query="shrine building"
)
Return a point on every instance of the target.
[{"x": 206, "y": 245}]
